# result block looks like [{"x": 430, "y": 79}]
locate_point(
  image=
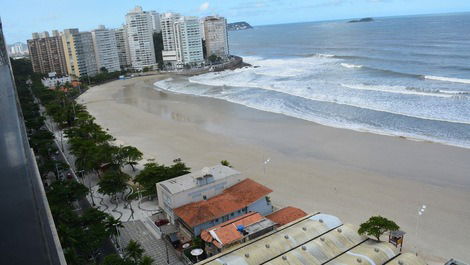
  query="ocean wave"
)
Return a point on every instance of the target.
[
  {"x": 399, "y": 90},
  {"x": 328, "y": 99},
  {"x": 275, "y": 107},
  {"x": 347, "y": 65},
  {"x": 447, "y": 79}
]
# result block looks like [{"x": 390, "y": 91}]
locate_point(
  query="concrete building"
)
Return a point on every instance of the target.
[
  {"x": 139, "y": 26},
  {"x": 167, "y": 22},
  {"x": 242, "y": 198},
  {"x": 216, "y": 36},
  {"x": 314, "y": 239},
  {"x": 196, "y": 186},
  {"x": 188, "y": 42},
  {"x": 122, "y": 47},
  {"x": 106, "y": 51},
  {"x": 47, "y": 54},
  {"x": 79, "y": 53}
]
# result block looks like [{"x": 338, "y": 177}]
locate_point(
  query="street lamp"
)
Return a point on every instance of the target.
[
  {"x": 91, "y": 192},
  {"x": 420, "y": 213},
  {"x": 266, "y": 165}
]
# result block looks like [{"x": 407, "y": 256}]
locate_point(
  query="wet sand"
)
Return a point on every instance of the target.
[{"x": 352, "y": 175}]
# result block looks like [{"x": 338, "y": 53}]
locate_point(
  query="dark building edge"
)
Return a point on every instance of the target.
[{"x": 28, "y": 233}]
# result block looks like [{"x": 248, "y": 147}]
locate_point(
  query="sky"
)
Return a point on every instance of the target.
[{"x": 22, "y": 17}]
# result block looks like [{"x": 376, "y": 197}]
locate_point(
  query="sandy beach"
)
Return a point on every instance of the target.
[{"x": 352, "y": 175}]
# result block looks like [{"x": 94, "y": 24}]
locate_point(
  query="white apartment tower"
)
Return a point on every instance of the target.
[
  {"x": 182, "y": 40},
  {"x": 139, "y": 26},
  {"x": 189, "y": 41},
  {"x": 216, "y": 36},
  {"x": 122, "y": 47},
  {"x": 106, "y": 52},
  {"x": 167, "y": 22}
]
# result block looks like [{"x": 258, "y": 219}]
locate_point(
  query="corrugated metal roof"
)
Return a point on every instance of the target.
[{"x": 314, "y": 240}]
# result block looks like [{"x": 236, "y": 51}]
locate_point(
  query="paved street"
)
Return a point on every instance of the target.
[{"x": 150, "y": 240}]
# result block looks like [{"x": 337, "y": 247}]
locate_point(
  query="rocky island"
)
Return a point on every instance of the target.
[
  {"x": 367, "y": 19},
  {"x": 239, "y": 26}
]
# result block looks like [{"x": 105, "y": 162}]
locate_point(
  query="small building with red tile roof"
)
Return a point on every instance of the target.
[
  {"x": 286, "y": 215},
  {"x": 243, "y": 197},
  {"x": 235, "y": 231}
]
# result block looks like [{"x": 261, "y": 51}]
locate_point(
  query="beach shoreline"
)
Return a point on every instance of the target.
[{"x": 350, "y": 174}]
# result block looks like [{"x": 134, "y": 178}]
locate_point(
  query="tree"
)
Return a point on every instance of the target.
[
  {"x": 65, "y": 192},
  {"x": 154, "y": 173},
  {"x": 103, "y": 70},
  {"x": 130, "y": 155},
  {"x": 225, "y": 163},
  {"x": 377, "y": 226},
  {"x": 113, "y": 182},
  {"x": 133, "y": 251}
]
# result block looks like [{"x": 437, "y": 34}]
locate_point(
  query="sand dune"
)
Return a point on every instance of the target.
[{"x": 349, "y": 174}]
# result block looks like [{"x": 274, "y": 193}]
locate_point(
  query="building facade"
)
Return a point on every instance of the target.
[
  {"x": 155, "y": 22},
  {"x": 193, "y": 187},
  {"x": 188, "y": 42},
  {"x": 79, "y": 53},
  {"x": 106, "y": 51},
  {"x": 139, "y": 26},
  {"x": 47, "y": 54},
  {"x": 122, "y": 47},
  {"x": 167, "y": 22},
  {"x": 241, "y": 198},
  {"x": 216, "y": 36}
]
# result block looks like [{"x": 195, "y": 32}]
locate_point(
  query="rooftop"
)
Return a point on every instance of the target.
[
  {"x": 315, "y": 239},
  {"x": 228, "y": 232},
  {"x": 232, "y": 199},
  {"x": 198, "y": 178},
  {"x": 286, "y": 215}
]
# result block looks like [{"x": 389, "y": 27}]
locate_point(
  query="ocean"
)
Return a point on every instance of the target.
[{"x": 401, "y": 76}]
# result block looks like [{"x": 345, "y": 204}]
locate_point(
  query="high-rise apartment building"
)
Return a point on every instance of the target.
[
  {"x": 155, "y": 22},
  {"x": 122, "y": 47},
  {"x": 139, "y": 26},
  {"x": 79, "y": 53},
  {"x": 167, "y": 23},
  {"x": 106, "y": 51},
  {"x": 188, "y": 41},
  {"x": 182, "y": 40},
  {"x": 216, "y": 36},
  {"x": 47, "y": 54}
]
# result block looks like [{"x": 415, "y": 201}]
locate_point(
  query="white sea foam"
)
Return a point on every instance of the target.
[
  {"x": 397, "y": 90},
  {"x": 351, "y": 66},
  {"x": 447, "y": 79}
]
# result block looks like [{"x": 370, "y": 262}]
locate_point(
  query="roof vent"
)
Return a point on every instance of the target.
[
  {"x": 284, "y": 257},
  {"x": 304, "y": 248},
  {"x": 304, "y": 228},
  {"x": 339, "y": 230},
  {"x": 286, "y": 236},
  {"x": 267, "y": 245},
  {"x": 359, "y": 260},
  {"x": 247, "y": 255}
]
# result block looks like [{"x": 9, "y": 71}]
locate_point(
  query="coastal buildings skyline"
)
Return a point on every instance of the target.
[{"x": 132, "y": 47}]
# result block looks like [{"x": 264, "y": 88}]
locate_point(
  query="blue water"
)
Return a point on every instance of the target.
[{"x": 407, "y": 76}]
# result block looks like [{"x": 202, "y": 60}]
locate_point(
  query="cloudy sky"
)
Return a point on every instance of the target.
[{"x": 21, "y": 17}]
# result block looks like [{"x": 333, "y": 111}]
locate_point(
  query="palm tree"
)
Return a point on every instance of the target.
[
  {"x": 134, "y": 251},
  {"x": 146, "y": 260}
]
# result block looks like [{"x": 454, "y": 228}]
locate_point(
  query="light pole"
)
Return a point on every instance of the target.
[
  {"x": 266, "y": 165},
  {"x": 91, "y": 192},
  {"x": 420, "y": 213}
]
